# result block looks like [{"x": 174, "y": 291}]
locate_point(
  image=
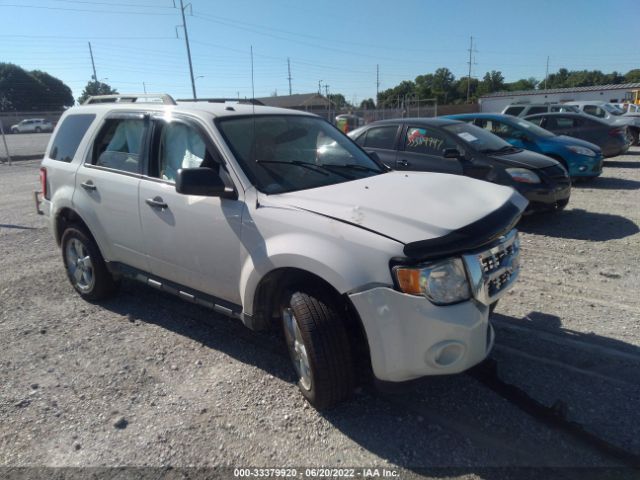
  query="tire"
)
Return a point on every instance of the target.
[
  {"x": 561, "y": 205},
  {"x": 493, "y": 306},
  {"x": 38, "y": 130},
  {"x": 14, "y": 130},
  {"x": 634, "y": 134},
  {"x": 85, "y": 267},
  {"x": 318, "y": 345}
]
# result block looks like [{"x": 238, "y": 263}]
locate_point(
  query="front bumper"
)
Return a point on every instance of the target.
[
  {"x": 583, "y": 166},
  {"x": 409, "y": 337},
  {"x": 545, "y": 197}
]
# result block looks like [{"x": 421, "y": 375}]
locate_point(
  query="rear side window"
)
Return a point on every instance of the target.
[
  {"x": 515, "y": 111},
  {"x": 118, "y": 145},
  {"x": 537, "y": 121},
  {"x": 594, "y": 110},
  {"x": 381, "y": 137},
  {"x": 564, "y": 122},
  {"x": 69, "y": 136}
]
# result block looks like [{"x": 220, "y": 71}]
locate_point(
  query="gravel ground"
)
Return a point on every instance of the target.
[{"x": 148, "y": 380}]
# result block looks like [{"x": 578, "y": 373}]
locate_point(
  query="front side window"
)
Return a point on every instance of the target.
[
  {"x": 118, "y": 145},
  {"x": 381, "y": 137},
  {"x": 534, "y": 110},
  {"x": 69, "y": 135},
  {"x": 284, "y": 153},
  {"x": 426, "y": 140},
  {"x": 180, "y": 146},
  {"x": 595, "y": 111},
  {"x": 515, "y": 111}
]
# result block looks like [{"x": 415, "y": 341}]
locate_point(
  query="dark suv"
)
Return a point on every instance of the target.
[{"x": 451, "y": 146}]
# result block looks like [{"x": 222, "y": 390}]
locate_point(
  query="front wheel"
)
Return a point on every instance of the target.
[
  {"x": 319, "y": 348},
  {"x": 85, "y": 266}
]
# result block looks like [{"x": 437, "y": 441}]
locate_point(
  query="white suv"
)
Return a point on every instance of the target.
[
  {"x": 275, "y": 217},
  {"x": 32, "y": 125}
]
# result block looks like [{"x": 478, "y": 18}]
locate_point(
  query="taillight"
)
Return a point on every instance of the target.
[{"x": 43, "y": 182}]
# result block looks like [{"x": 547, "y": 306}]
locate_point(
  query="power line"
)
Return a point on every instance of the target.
[{"x": 42, "y": 7}]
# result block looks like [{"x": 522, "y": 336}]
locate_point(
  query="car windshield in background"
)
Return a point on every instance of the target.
[
  {"x": 534, "y": 129},
  {"x": 478, "y": 138},
  {"x": 612, "y": 109},
  {"x": 285, "y": 153}
]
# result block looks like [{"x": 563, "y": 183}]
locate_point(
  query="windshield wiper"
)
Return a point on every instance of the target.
[
  {"x": 505, "y": 149},
  {"x": 351, "y": 166},
  {"x": 309, "y": 166}
]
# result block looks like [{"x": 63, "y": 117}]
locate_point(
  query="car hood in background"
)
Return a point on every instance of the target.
[
  {"x": 523, "y": 158},
  {"x": 571, "y": 141},
  {"x": 405, "y": 206}
]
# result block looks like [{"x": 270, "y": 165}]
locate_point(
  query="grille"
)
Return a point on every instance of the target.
[{"x": 492, "y": 271}]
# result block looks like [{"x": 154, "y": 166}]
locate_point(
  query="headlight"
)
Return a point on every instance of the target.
[
  {"x": 442, "y": 282},
  {"x": 523, "y": 175},
  {"x": 582, "y": 151}
]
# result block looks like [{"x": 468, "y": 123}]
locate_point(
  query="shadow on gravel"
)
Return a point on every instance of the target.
[
  {"x": 580, "y": 224},
  {"x": 619, "y": 164},
  {"x": 608, "y": 183},
  {"x": 582, "y": 378},
  {"x": 17, "y": 227},
  {"x": 440, "y": 421}
]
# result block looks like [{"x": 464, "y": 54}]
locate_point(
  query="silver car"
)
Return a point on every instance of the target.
[{"x": 32, "y": 125}]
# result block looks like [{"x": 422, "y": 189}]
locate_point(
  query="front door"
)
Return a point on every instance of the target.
[
  {"x": 423, "y": 150},
  {"x": 191, "y": 240}
]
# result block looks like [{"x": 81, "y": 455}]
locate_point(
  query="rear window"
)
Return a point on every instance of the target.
[{"x": 69, "y": 136}]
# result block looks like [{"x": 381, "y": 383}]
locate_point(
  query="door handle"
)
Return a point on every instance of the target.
[
  {"x": 88, "y": 185},
  {"x": 404, "y": 163},
  {"x": 156, "y": 202}
]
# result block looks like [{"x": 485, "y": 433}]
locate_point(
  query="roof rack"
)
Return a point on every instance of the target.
[
  {"x": 222, "y": 100},
  {"x": 132, "y": 98}
]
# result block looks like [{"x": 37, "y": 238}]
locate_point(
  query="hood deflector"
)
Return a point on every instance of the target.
[{"x": 469, "y": 237}]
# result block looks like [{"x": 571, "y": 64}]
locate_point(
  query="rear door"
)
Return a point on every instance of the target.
[
  {"x": 190, "y": 240},
  {"x": 107, "y": 182},
  {"x": 423, "y": 149}
]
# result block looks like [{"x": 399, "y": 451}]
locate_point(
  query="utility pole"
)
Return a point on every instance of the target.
[
  {"x": 186, "y": 39},
  {"x": 289, "y": 77},
  {"x": 546, "y": 73},
  {"x": 471, "y": 63},
  {"x": 377, "y": 84},
  {"x": 319, "y": 87},
  {"x": 144, "y": 87},
  {"x": 95, "y": 75},
  {"x": 326, "y": 92}
]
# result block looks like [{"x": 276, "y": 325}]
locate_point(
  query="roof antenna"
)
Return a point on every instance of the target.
[{"x": 253, "y": 110}]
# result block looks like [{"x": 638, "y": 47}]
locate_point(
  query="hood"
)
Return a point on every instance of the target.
[
  {"x": 405, "y": 206},
  {"x": 524, "y": 158},
  {"x": 569, "y": 141}
]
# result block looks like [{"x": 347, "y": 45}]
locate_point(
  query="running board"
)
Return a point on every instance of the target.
[{"x": 190, "y": 295}]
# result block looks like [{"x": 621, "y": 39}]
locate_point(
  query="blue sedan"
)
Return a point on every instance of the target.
[{"x": 580, "y": 158}]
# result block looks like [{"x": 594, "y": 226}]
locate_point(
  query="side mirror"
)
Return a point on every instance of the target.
[
  {"x": 202, "y": 181},
  {"x": 451, "y": 153}
]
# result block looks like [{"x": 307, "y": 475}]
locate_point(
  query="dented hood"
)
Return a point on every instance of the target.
[{"x": 408, "y": 206}]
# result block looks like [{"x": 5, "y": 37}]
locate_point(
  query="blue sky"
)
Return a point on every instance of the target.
[{"x": 336, "y": 42}]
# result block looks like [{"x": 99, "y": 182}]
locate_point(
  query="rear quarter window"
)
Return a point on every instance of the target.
[
  {"x": 515, "y": 111},
  {"x": 69, "y": 135}
]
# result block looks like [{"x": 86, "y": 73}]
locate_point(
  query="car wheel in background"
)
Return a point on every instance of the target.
[
  {"x": 85, "y": 266},
  {"x": 38, "y": 130},
  {"x": 318, "y": 345}
]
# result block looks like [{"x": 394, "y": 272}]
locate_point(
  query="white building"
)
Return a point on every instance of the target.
[{"x": 496, "y": 102}]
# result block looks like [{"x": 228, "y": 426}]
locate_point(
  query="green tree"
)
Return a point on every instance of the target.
[
  {"x": 19, "y": 90},
  {"x": 460, "y": 90},
  {"x": 632, "y": 76},
  {"x": 368, "y": 104},
  {"x": 522, "y": 84},
  {"x": 442, "y": 84},
  {"x": 56, "y": 95},
  {"x": 338, "y": 100},
  {"x": 393, "y": 97},
  {"x": 492, "y": 82},
  {"x": 95, "y": 87}
]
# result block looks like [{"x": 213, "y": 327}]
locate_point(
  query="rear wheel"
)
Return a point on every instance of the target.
[
  {"x": 319, "y": 348},
  {"x": 85, "y": 266},
  {"x": 38, "y": 130},
  {"x": 633, "y": 135}
]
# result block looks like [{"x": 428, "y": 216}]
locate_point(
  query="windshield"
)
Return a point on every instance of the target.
[
  {"x": 477, "y": 138},
  {"x": 612, "y": 109},
  {"x": 285, "y": 153},
  {"x": 534, "y": 129}
]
